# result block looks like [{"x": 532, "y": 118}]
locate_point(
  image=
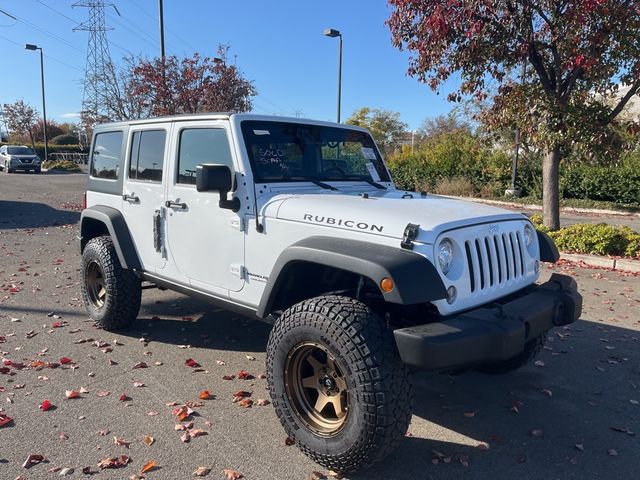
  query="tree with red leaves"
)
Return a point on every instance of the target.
[
  {"x": 582, "y": 62},
  {"x": 171, "y": 86}
]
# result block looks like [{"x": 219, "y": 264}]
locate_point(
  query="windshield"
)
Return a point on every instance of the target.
[
  {"x": 282, "y": 151},
  {"x": 19, "y": 151}
]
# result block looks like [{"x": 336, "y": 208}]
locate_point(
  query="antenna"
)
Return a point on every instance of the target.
[{"x": 99, "y": 71}]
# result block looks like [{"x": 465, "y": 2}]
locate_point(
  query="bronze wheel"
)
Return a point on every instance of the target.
[
  {"x": 95, "y": 284},
  {"x": 316, "y": 388},
  {"x": 111, "y": 293}
]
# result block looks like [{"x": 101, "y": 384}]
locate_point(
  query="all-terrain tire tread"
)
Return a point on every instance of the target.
[
  {"x": 383, "y": 387},
  {"x": 124, "y": 288}
]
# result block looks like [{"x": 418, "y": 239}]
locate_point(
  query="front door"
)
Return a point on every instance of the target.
[
  {"x": 143, "y": 192},
  {"x": 206, "y": 242}
]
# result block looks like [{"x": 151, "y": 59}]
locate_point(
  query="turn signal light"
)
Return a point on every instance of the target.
[{"x": 386, "y": 284}]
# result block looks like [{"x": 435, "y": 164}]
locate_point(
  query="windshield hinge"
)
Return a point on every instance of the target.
[{"x": 410, "y": 234}]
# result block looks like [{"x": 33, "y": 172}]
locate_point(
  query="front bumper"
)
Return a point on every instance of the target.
[
  {"x": 493, "y": 333},
  {"x": 25, "y": 166}
]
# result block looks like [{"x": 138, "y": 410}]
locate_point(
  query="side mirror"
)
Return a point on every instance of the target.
[{"x": 217, "y": 178}]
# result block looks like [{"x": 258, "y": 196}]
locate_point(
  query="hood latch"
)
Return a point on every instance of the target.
[{"x": 410, "y": 234}]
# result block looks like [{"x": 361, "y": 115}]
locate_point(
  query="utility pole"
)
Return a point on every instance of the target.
[{"x": 161, "y": 20}]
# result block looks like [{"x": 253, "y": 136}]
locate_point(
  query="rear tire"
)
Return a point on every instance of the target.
[
  {"x": 531, "y": 349},
  {"x": 111, "y": 293},
  {"x": 337, "y": 382}
]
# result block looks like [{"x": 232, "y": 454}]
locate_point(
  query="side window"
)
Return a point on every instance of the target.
[
  {"x": 105, "y": 161},
  {"x": 201, "y": 145},
  {"x": 147, "y": 155}
]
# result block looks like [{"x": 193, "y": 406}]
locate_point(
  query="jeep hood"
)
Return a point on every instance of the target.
[{"x": 385, "y": 213}]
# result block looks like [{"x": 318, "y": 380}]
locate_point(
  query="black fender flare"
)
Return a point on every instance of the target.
[
  {"x": 548, "y": 250},
  {"x": 415, "y": 278},
  {"x": 116, "y": 225}
]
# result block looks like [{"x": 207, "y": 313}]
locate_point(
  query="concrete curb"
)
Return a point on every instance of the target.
[
  {"x": 618, "y": 264},
  {"x": 533, "y": 206}
]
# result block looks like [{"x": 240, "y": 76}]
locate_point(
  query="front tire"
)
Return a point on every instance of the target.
[
  {"x": 111, "y": 293},
  {"x": 337, "y": 382}
]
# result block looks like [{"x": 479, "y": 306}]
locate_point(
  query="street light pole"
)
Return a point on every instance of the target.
[
  {"x": 161, "y": 21},
  {"x": 330, "y": 32},
  {"x": 29, "y": 46}
]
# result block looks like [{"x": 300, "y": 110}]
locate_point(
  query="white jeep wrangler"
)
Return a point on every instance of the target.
[{"x": 299, "y": 223}]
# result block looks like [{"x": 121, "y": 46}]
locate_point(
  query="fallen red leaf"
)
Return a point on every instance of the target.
[
  {"x": 46, "y": 405},
  {"x": 246, "y": 403},
  {"x": 32, "y": 460},
  {"x": 242, "y": 394},
  {"x": 4, "y": 419},
  {"x": 65, "y": 360},
  {"x": 124, "y": 397},
  {"x": 244, "y": 375},
  {"x": 190, "y": 362}
]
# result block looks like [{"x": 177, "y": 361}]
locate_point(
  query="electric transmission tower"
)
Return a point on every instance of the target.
[{"x": 99, "y": 76}]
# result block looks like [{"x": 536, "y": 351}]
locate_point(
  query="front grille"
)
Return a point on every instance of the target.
[
  {"x": 494, "y": 260},
  {"x": 26, "y": 160}
]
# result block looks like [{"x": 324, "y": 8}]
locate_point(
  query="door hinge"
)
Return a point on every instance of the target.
[
  {"x": 238, "y": 270},
  {"x": 237, "y": 223}
]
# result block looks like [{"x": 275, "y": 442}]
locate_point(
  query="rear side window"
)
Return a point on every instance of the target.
[
  {"x": 201, "y": 145},
  {"x": 106, "y": 158},
  {"x": 147, "y": 155}
]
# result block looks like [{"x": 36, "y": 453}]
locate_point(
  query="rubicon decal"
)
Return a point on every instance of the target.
[{"x": 340, "y": 222}]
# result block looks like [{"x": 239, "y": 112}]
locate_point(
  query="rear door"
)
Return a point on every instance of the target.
[{"x": 144, "y": 191}]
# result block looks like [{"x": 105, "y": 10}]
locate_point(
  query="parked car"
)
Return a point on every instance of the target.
[
  {"x": 19, "y": 157},
  {"x": 299, "y": 223}
]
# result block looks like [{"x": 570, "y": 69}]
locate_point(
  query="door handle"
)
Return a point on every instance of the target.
[
  {"x": 172, "y": 204},
  {"x": 131, "y": 198}
]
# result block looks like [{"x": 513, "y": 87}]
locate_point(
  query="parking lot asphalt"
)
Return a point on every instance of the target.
[{"x": 573, "y": 414}]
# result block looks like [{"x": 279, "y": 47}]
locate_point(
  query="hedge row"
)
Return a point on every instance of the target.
[
  {"x": 594, "y": 239},
  {"x": 456, "y": 155}
]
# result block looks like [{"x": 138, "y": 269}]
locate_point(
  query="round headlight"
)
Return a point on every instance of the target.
[
  {"x": 445, "y": 255},
  {"x": 528, "y": 235}
]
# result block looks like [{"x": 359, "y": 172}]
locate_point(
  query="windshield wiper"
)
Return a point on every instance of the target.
[
  {"x": 320, "y": 184},
  {"x": 361, "y": 179}
]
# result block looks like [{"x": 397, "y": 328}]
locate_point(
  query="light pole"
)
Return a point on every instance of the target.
[
  {"x": 29, "y": 46},
  {"x": 330, "y": 32}
]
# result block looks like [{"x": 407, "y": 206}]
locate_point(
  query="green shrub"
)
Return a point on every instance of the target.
[
  {"x": 61, "y": 166},
  {"x": 598, "y": 239},
  {"x": 65, "y": 139}
]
